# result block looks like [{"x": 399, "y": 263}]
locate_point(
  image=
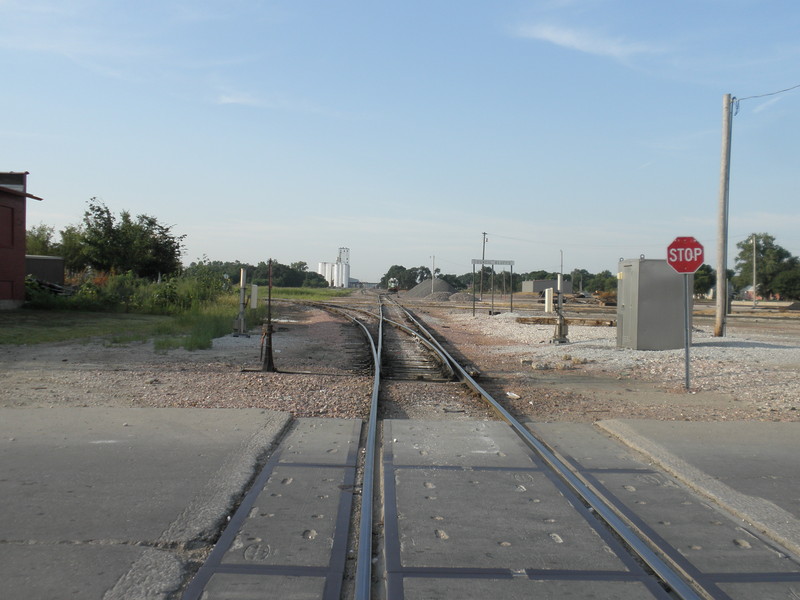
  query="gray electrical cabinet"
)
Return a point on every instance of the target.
[{"x": 650, "y": 305}]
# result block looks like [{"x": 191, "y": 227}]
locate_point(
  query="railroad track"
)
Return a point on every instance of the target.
[{"x": 378, "y": 481}]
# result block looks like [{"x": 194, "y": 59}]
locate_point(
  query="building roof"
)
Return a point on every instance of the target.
[{"x": 13, "y": 192}]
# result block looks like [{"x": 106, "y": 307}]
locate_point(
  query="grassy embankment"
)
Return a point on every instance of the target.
[{"x": 193, "y": 329}]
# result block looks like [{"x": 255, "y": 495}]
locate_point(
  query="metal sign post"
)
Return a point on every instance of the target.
[
  {"x": 686, "y": 328},
  {"x": 685, "y": 255},
  {"x": 481, "y": 262}
]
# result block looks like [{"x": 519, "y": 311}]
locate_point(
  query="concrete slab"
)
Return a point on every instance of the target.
[
  {"x": 81, "y": 570},
  {"x": 750, "y": 468},
  {"x": 473, "y": 443},
  {"x": 289, "y": 536},
  {"x": 293, "y": 521},
  {"x": 469, "y": 513},
  {"x": 321, "y": 441},
  {"x": 523, "y": 589},
  {"x": 522, "y": 521},
  {"x": 725, "y": 553},
  {"x": 238, "y": 586},
  {"x": 129, "y": 482}
]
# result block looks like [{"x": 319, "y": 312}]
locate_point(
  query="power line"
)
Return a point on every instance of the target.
[{"x": 737, "y": 100}]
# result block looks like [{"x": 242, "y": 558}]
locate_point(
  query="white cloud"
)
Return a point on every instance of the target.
[{"x": 585, "y": 41}]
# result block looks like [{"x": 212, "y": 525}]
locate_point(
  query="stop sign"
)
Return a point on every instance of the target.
[{"x": 685, "y": 254}]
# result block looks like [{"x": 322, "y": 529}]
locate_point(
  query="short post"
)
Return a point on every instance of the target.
[
  {"x": 268, "y": 364},
  {"x": 241, "y": 326}
]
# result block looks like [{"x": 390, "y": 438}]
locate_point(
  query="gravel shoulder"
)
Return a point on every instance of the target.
[{"x": 751, "y": 374}]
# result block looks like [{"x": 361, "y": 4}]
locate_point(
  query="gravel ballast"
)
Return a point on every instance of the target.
[{"x": 751, "y": 374}]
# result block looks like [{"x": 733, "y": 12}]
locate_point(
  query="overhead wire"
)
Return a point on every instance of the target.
[{"x": 736, "y": 100}]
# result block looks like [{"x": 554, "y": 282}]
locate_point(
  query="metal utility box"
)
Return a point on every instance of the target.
[{"x": 650, "y": 305}]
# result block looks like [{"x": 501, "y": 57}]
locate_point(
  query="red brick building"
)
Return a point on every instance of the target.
[{"x": 13, "y": 197}]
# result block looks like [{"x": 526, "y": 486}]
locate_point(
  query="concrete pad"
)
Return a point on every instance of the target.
[
  {"x": 293, "y": 521},
  {"x": 763, "y": 591},
  {"x": 289, "y": 536},
  {"x": 322, "y": 441},
  {"x": 81, "y": 570},
  {"x": 750, "y": 468},
  {"x": 522, "y": 521},
  {"x": 523, "y": 589},
  {"x": 451, "y": 443},
  {"x": 227, "y": 586},
  {"x": 475, "y": 516},
  {"x": 128, "y": 481},
  {"x": 720, "y": 550}
]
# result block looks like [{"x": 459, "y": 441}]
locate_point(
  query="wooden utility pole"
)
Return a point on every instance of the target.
[{"x": 722, "y": 219}]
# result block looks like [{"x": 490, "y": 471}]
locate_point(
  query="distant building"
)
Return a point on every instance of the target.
[
  {"x": 13, "y": 198},
  {"x": 537, "y": 286},
  {"x": 337, "y": 274}
]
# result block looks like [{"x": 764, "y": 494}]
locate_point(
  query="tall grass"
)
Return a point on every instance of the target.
[
  {"x": 304, "y": 293},
  {"x": 184, "y": 312},
  {"x": 196, "y": 328}
]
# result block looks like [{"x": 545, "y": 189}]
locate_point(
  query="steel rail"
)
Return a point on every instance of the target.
[
  {"x": 431, "y": 346},
  {"x": 679, "y": 583},
  {"x": 363, "y": 583}
]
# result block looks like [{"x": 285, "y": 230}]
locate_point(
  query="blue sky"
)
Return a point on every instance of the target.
[{"x": 403, "y": 130}]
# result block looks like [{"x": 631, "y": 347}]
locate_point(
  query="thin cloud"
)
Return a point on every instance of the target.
[
  {"x": 240, "y": 99},
  {"x": 585, "y": 41},
  {"x": 766, "y": 105},
  {"x": 279, "y": 102}
]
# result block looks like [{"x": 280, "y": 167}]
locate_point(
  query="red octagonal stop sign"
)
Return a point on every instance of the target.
[{"x": 685, "y": 254}]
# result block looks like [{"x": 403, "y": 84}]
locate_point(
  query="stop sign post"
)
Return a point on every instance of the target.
[{"x": 685, "y": 255}]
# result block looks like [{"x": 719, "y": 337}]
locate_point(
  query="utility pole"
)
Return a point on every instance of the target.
[
  {"x": 483, "y": 257},
  {"x": 754, "y": 270},
  {"x": 722, "y": 219},
  {"x": 433, "y": 271}
]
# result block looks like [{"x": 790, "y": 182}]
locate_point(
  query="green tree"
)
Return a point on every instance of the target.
[
  {"x": 579, "y": 277},
  {"x": 143, "y": 246},
  {"x": 604, "y": 281},
  {"x": 314, "y": 280},
  {"x": 39, "y": 241},
  {"x": 771, "y": 260},
  {"x": 704, "y": 279},
  {"x": 787, "y": 284},
  {"x": 423, "y": 273},
  {"x": 299, "y": 266},
  {"x": 455, "y": 281},
  {"x": 73, "y": 248},
  {"x": 397, "y": 272}
]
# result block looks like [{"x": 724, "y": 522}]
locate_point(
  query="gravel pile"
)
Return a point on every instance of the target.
[
  {"x": 461, "y": 297},
  {"x": 425, "y": 289}
]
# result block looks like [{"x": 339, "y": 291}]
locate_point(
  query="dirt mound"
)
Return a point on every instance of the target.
[{"x": 424, "y": 289}]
